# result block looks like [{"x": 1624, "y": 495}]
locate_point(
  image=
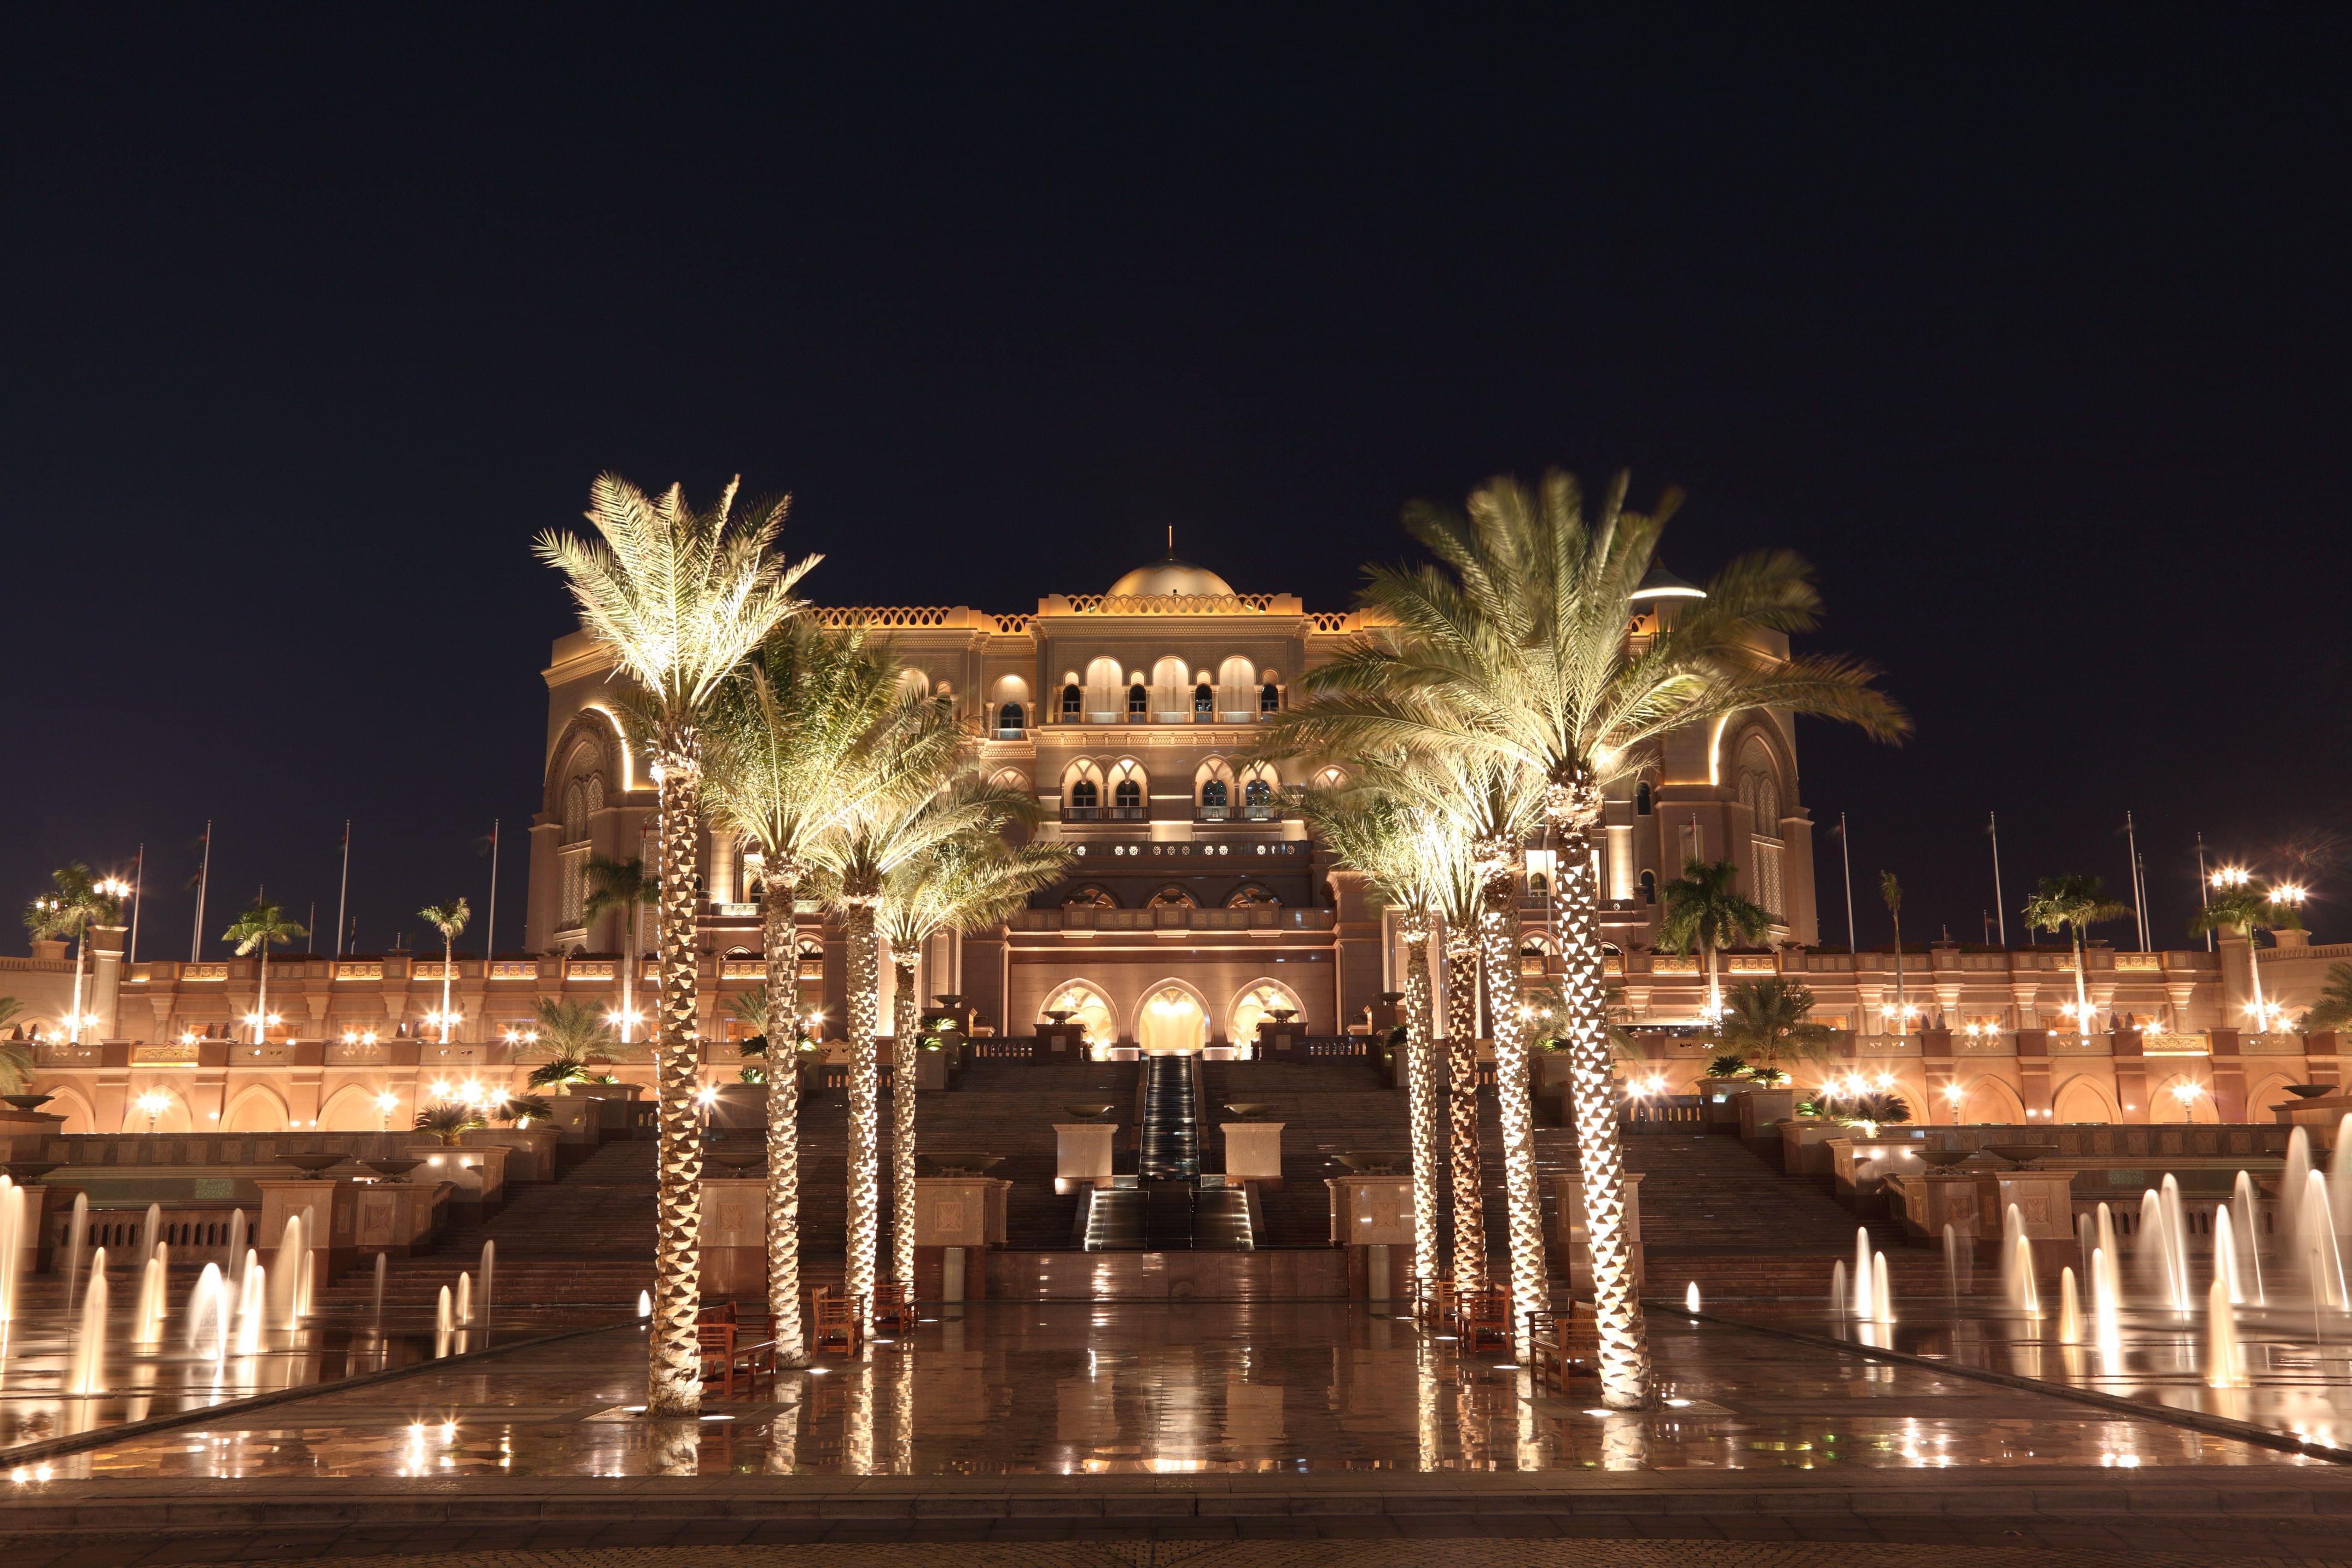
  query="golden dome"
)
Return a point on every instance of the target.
[{"x": 1171, "y": 577}]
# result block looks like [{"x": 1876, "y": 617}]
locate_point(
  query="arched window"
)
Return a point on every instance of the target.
[
  {"x": 1010, "y": 721},
  {"x": 1538, "y": 884},
  {"x": 1087, "y": 1009},
  {"x": 1138, "y": 702},
  {"x": 1269, "y": 698},
  {"x": 1252, "y": 897},
  {"x": 1213, "y": 794},
  {"x": 1213, "y": 786},
  {"x": 1128, "y": 795},
  {"x": 1649, "y": 887},
  {"x": 1759, "y": 792},
  {"x": 1090, "y": 897},
  {"x": 1641, "y": 800},
  {"x": 1172, "y": 897},
  {"x": 1257, "y": 793},
  {"x": 1260, "y": 796},
  {"x": 1258, "y": 1004},
  {"x": 1085, "y": 796},
  {"x": 1072, "y": 703},
  {"x": 1204, "y": 703}
]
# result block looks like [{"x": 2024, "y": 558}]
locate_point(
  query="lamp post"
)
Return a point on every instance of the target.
[
  {"x": 154, "y": 1102},
  {"x": 1954, "y": 1094},
  {"x": 2237, "y": 879},
  {"x": 2189, "y": 1092},
  {"x": 386, "y": 1104}
]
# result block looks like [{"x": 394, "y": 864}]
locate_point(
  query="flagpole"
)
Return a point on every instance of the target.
[
  {"x": 2138, "y": 899},
  {"x": 490, "y": 936},
  {"x": 138, "y": 883},
  {"x": 1992, "y": 826},
  {"x": 204, "y": 880},
  {"x": 1846, "y": 847},
  {"x": 310, "y": 937},
  {"x": 2204, "y": 897},
  {"x": 343, "y": 897}
]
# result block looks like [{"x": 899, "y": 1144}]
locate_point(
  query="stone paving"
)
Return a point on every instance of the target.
[{"x": 1276, "y": 1433}]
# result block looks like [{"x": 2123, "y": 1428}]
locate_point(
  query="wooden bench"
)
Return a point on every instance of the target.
[
  {"x": 840, "y": 1320},
  {"x": 1483, "y": 1317},
  {"x": 894, "y": 1308},
  {"x": 724, "y": 1359}
]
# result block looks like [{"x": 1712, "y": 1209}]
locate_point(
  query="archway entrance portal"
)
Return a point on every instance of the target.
[{"x": 1173, "y": 1023}]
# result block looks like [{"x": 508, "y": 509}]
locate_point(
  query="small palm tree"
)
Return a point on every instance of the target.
[
  {"x": 1890, "y": 893},
  {"x": 449, "y": 919},
  {"x": 2244, "y": 910},
  {"x": 522, "y": 1110},
  {"x": 1702, "y": 908},
  {"x": 814, "y": 727},
  {"x": 2332, "y": 1011},
  {"x": 256, "y": 930},
  {"x": 77, "y": 902},
  {"x": 678, "y": 599},
  {"x": 1769, "y": 1022},
  {"x": 970, "y": 883},
  {"x": 449, "y": 1120},
  {"x": 2073, "y": 904},
  {"x": 625, "y": 887},
  {"x": 575, "y": 1033},
  {"x": 1515, "y": 645}
]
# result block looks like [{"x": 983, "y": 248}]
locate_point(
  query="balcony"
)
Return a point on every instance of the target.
[
  {"x": 1269, "y": 918},
  {"x": 1128, "y": 813},
  {"x": 1082, "y": 813}
]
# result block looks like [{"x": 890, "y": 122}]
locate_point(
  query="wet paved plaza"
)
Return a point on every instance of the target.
[{"x": 1076, "y": 1389}]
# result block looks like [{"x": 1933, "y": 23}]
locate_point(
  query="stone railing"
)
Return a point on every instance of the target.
[
  {"x": 2081, "y": 1045},
  {"x": 1259, "y": 917},
  {"x": 2153, "y": 1044}
]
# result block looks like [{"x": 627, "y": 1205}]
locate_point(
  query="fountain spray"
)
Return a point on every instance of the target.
[
  {"x": 2070, "y": 1309},
  {"x": 86, "y": 1370},
  {"x": 2221, "y": 1339}
]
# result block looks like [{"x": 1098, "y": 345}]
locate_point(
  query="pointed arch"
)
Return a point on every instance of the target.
[
  {"x": 2081, "y": 1099},
  {"x": 1161, "y": 1020},
  {"x": 1258, "y": 1001},
  {"x": 352, "y": 1109},
  {"x": 72, "y": 1104},
  {"x": 256, "y": 1109},
  {"x": 1990, "y": 1100}
]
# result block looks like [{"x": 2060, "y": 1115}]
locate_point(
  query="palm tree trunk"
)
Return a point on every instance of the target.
[
  {"x": 904, "y": 1048},
  {"x": 449, "y": 962},
  {"x": 260, "y": 1007},
  {"x": 1421, "y": 1098},
  {"x": 864, "y": 1206},
  {"x": 629, "y": 967},
  {"x": 674, "y": 1373},
  {"x": 2081, "y": 991},
  {"x": 1900, "y": 1005},
  {"x": 1498, "y": 942},
  {"x": 73, "y": 1035},
  {"x": 778, "y": 934},
  {"x": 1600, "y": 1156},
  {"x": 1714, "y": 985},
  {"x": 1462, "y": 1110}
]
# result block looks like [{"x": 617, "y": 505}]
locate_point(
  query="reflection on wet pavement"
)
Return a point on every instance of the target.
[{"x": 1145, "y": 1389}]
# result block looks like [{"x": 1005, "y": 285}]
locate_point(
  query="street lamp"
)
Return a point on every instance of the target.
[
  {"x": 2267, "y": 1017},
  {"x": 386, "y": 1104},
  {"x": 1954, "y": 1094},
  {"x": 1902, "y": 1013},
  {"x": 154, "y": 1102},
  {"x": 2187, "y": 1092}
]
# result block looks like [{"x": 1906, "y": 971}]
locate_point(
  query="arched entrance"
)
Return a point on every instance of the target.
[{"x": 1172, "y": 1022}]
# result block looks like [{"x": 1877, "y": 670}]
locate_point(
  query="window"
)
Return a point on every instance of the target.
[
  {"x": 1084, "y": 796},
  {"x": 1010, "y": 720},
  {"x": 1538, "y": 884},
  {"x": 1649, "y": 887},
  {"x": 1257, "y": 794},
  {"x": 1130, "y": 794},
  {"x": 1252, "y": 897},
  {"x": 1139, "y": 702},
  {"x": 1212, "y": 793},
  {"x": 1090, "y": 898},
  {"x": 1641, "y": 800},
  {"x": 1173, "y": 898},
  {"x": 1071, "y": 701},
  {"x": 1204, "y": 703},
  {"x": 1269, "y": 698}
]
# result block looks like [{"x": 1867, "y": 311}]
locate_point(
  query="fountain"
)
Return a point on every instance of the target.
[
  {"x": 2222, "y": 1369},
  {"x": 150, "y": 1229},
  {"x": 489, "y": 1267},
  {"x": 2315, "y": 1233},
  {"x": 2106, "y": 1309},
  {"x": 1690, "y": 1297},
  {"x": 236, "y": 1236},
  {"x": 1862, "y": 1290},
  {"x": 252, "y": 1303},
  {"x": 464, "y": 1297},
  {"x": 2249, "y": 1231},
  {"x": 1882, "y": 1301},
  {"x": 2070, "y": 1309},
  {"x": 210, "y": 1304},
  {"x": 12, "y": 1224},
  {"x": 1837, "y": 1289},
  {"x": 86, "y": 1371},
  {"x": 77, "y": 1232},
  {"x": 379, "y": 1288},
  {"x": 2017, "y": 1280},
  {"x": 2152, "y": 1256},
  {"x": 286, "y": 1275},
  {"x": 154, "y": 1281},
  {"x": 644, "y": 1303},
  {"x": 1959, "y": 1264}
]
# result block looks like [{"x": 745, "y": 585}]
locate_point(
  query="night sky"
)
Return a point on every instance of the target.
[{"x": 2032, "y": 335}]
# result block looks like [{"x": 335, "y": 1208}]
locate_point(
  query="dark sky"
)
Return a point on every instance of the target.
[{"x": 2031, "y": 333}]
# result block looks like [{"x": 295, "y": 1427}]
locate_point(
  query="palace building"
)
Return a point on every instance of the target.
[{"x": 1201, "y": 913}]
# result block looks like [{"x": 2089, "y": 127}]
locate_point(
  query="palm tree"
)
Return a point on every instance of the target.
[
  {"x": 2244, "y": 909},
  {"x": 854, "y": 867},
  {"x": 573, "y": 1032},
  {"x": 1514, "y": 644},
  {"x": 678, "y": 599},
  {"x": 15, "y": 1060},
  {"x": 1406, "y": 854},
  {"x": 447, "y": 919},
  {"x": 814, "y": 726},
  {"x": 624, "y": 885},
  {"x": 448, "y": 1120},
  {"x": 2072, "y": 904},
  {"x": 1890, "y": 893},
  {"x": 1701, "y": 907},
  {"x": 968, "y": 884},
  {"x": 2333, "y": 1011},
  {"x": 1769, "y": 1022},
  {"x": 256, "y": 928},
  {"x": 79, "y": 903}
]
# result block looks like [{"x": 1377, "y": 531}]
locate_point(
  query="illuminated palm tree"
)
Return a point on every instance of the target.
[
  {"x": 854, "y": 867},
  {"x": 677, "y": 599},
  {"x": 15, "y": 1060},
  {"x": 1702, "y": 908},
  {"x": 75, "y": 902},
  {"x": 573, "y": 1030},
  {"x": 814, "y": 727},
  {"x": 1890, "y": 893},
  {"x": 1403, "y": 852},
  {"x": 625, "y": 885},
  {"x": 256, "y": 930},
  {"x": 968, "y": 884},
  {"x": 2246, "y": 907},
  {"x": 2333, "y": 1011},
  {"x": 1525, "y": 642},
  {"x": 449, "y": 919},
  {"x": 2073, "y": 904},
  {"x": 1769, "y": 1022}
]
